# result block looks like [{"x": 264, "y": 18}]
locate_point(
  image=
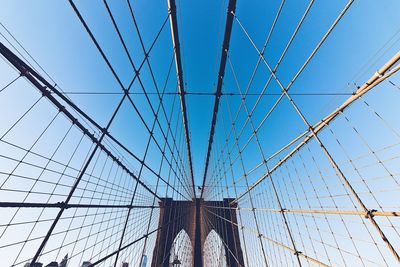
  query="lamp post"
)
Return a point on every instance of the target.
[{"x": 176, "y": 262}]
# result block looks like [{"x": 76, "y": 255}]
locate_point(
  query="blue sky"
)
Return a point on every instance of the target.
[
  {"x": 56, "y": 39},
  {"x": 366, "y": 37}
]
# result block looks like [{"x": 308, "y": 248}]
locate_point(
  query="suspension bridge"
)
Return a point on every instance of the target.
[{"x": 288, "y": 175}]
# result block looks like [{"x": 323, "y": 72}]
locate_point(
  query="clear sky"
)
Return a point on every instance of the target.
[
  {"x": 51, "y": 32},
  {"x": 365, "y": 38}
]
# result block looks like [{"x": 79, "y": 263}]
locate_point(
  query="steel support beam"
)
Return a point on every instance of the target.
[
  {"x": 181, "y": 85},
  {"x": 221, "y": 73},
  {"x": 68, "y": 206}
]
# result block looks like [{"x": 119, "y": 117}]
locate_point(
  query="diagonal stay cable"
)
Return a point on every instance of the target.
[
  {"x": 20, "y": 66},
  {"x": 160, "y": 96},
  {"x": 136, "y": 76},
  {"x": 26, "y": 72},
  {"x": 160, "y": 106},
  {"x": 137, "y": 72},
  {"x": 278, "y": 64},
  {"x": 314, "y": 134},
  {"x": 243, "y": 96},
  {"x": 263, "y": 92},
  {"x": 52, "y": 89},
  {"x": 77, "y": 109}
]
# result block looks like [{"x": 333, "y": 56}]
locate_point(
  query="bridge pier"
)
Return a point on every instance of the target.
[{"x": 193, "y": 213}]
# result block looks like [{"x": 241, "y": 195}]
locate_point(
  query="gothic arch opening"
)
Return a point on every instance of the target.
[
  {"x": 214, "y": 251},
  {"x": 181, "y": 250}
]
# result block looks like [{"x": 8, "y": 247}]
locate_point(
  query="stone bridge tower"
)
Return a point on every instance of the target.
[{"x": 189, "y": 216}]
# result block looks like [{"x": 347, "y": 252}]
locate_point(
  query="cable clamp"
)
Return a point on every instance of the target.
[
  {"x": 377, "y": 73},
  {"x": 86, "y": 131},
  {"x": 297, "y": 253},
  {"x": 62, "y": 109},
  {"x": 45, "y": 91},
  {"x": 62, "y": 205},
  {"x": 24, "y": 72},
  {"x": 370, "y": 214}
]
